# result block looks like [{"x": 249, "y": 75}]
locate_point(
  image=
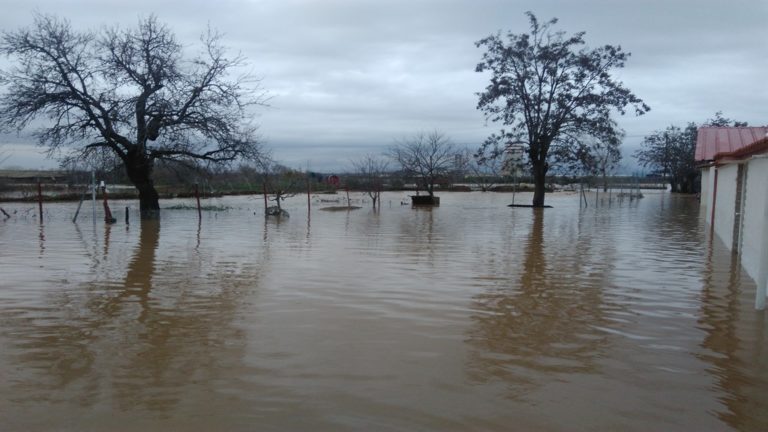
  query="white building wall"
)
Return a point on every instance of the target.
[
  {"x": 708, "y": 175},
  {"x": 725, "y": 202},
  {"x": 704, "y": 196},
  {"x": 755, "y": 218}
]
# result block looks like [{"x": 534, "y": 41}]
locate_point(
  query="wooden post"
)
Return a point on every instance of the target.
[
  {"x": 108, "y": 219},
  {"x": 349, "y": 204},
  {"x": 80, "y": 204},
  {"x": 597, "y": 193},
  {"x": 609, "y": 195},
  {"x": 127, "y": 222},
  {"x": 309, "y": 193},
  {"x": 40, "y": 199},
  {"x": 197, "y": 197},
  {"x": 93, "y": 195},
  {"x": 581, "y": 192},
  {"x": 621, "y": 193}
]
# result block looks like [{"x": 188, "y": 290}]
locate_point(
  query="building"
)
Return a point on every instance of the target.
[
  {"x": 734, "y": 194},
  {"x": 32, "y": 177}
]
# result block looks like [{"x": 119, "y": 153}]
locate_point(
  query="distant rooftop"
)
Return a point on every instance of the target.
[
  {"x": 712, "y": 141},
  {"x": 31, "y": 174}
]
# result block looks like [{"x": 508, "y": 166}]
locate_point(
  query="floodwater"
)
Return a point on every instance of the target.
[{"x": 470, "y": 316}]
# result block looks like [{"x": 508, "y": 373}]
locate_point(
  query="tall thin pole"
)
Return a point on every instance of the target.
[
  {"x": 266, "y": 204},
  {"x": 197, "y": 196},
  {"x": 597, "y": 193},
  {"x": 40, "y": 199},
  {"x": 349, "y": 204},
  {"x": 108, "y": 219},
  {"x": 80, "y": 204},
  {"x": 610, "y": 194},
  {"x": 93, "y": 195},
  {"x": 309, "y": 193},
  {"x": 514, "y": 184}
]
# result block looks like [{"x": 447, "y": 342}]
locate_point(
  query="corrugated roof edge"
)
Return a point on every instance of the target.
[
  {"x": 757, "y": 147},
  {"x": 713, "y": 140}
]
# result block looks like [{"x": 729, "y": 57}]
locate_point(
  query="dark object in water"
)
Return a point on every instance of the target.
[
  {"x": 425, "y": 200},
  {"x": 276, "y": 211},
  {"x": 529, "y": 206},
  {"x": 340, "y": 208}
]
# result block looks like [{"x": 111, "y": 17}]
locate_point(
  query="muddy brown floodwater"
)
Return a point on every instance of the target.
[{"x": 470, "y": 316}]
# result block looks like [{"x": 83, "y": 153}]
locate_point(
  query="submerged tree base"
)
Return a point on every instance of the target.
[
  {"x": 425, "y": 200},
  {"x": 340, "y": 208},
  {"x": 150, "y": 214},
  {"x": 529, "y": 206},
  {"x": 276, "y": 211}
]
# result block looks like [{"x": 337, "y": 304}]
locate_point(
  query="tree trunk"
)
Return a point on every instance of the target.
[
  {"x": 673, "y": 185},
  {"x": 539, "y": 172},
  {"x": 139, "y": 170}
]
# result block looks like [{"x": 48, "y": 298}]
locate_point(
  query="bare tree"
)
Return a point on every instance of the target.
[
  {"x": 129, "y": 93},
  {"x": 591, "y": 156},
  {"x": 371, "y": 169},
  {"x": 607, "y": 159},
  {"x": 280, "y": 182},
  {"x": 485, "y": 171},
  {"x": 426, "y": 157}
]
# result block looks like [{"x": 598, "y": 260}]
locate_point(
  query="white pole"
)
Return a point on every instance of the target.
[{"x": 514, "y": 184}]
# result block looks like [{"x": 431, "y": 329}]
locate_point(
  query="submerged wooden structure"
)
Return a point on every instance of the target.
[{"x": 425, "y": 200}]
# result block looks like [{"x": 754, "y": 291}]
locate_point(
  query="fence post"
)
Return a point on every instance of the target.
[
  {"x": 108, "y": 219},
  {"x": 40, "y": 199},
  {"x": 93, "y": 195},
  {"x": 197, "y": 197}
]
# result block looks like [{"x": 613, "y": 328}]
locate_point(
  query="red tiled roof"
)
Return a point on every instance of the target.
[{"x": 712, "y": 141}]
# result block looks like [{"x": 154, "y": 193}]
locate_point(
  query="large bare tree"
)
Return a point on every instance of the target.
[
  {"x": 546, "y": 88},
  {"x": 426, "y": 157},
  {"x": 130, "y": 93}
]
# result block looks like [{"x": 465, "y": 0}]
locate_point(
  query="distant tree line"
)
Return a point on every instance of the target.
[{"x": 133, "y": 105}]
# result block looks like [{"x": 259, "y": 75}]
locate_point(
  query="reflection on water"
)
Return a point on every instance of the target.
[
  {"x": 463, "y": 317},
  {"x": 138, "y": 340},
  {"x": 540, "y": 320},
  {"x": 735, "y": 342}
]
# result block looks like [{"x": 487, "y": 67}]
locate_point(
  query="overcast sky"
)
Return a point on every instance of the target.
[{"x": 348, "y": 77}]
